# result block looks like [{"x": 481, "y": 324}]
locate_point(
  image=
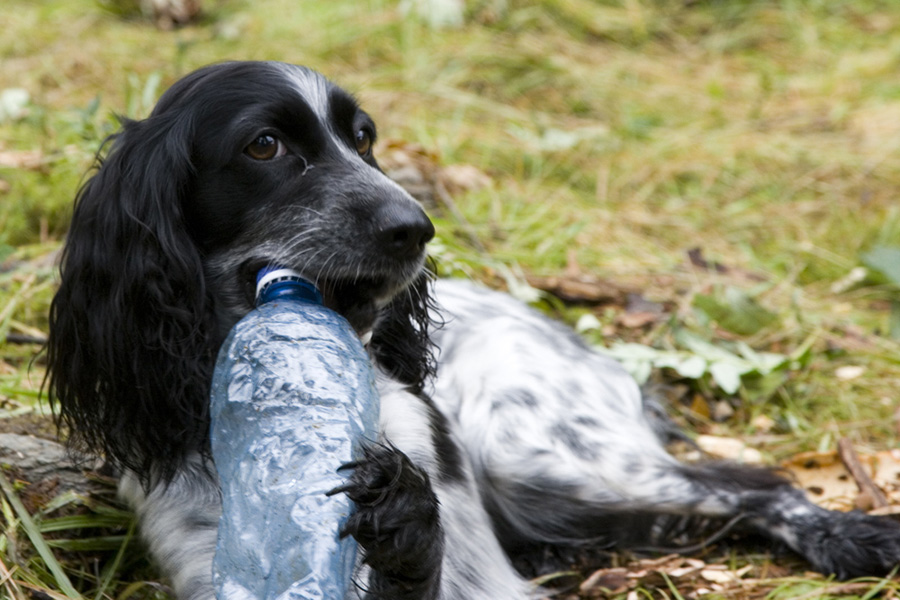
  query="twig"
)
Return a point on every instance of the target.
[
  {"x": 18, "y": 338},
  {"x": 8, "y": 582},
  {"x": 858, "y": 472}
]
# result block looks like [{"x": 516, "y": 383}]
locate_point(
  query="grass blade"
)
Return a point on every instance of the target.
[
  {"x": 113, "y": 567},
  {"x": 37, "y": 540}
]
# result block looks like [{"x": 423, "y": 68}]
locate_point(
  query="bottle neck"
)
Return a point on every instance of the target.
[{"x": 285, "y": 284}]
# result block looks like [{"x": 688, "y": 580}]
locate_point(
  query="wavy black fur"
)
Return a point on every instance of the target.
[
  {"x": 402, "y": 344},
  {"x": 131, "y": 325}
]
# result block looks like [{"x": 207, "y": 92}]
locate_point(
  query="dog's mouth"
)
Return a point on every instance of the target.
[{"x": 359, "y": 300}]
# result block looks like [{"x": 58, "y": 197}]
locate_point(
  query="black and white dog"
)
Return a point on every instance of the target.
[{"x": 502, "y": 433}]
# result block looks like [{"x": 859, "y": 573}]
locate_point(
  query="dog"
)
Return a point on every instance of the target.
[{"x": 503, "y": 434}]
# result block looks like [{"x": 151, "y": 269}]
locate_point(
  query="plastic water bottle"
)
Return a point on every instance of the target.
[{"x": 293, "y": 397}]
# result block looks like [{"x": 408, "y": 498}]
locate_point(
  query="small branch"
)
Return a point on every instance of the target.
[
  {"x": 863, "y": 481},
  {"x": 18, "y": 338}
]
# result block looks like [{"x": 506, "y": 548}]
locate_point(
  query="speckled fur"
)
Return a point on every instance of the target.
[{"x": 525, "y": 439}]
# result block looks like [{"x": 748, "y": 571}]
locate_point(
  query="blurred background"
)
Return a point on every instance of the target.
[{"x": 706, "y": 189}]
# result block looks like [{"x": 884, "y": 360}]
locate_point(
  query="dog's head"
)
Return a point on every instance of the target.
[
  {"x": 283, "y": 172},
  {"x": 239, "y": 166}
]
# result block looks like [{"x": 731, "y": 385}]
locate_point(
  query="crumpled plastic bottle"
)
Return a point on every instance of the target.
[{"x": 293, "y": 398}]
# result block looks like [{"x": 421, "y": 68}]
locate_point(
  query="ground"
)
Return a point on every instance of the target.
[{"x": 706, "y": 189}]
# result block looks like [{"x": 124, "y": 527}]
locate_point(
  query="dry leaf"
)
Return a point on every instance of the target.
[
  {"x": 614, "y": 580},
  {"x": 463, "y": 178},
  {"x": 682, "y": 571},
  {"x": 700, "y": 406},
  {"x": 584, "y": 289},
  {"x": 763, "y": 423},
  {"x": 720, "y": 574},
  {"x": 829, "y": 484},
  {"x": 729, "y": 448},
  {"x": 716, "y": 576},
  {"x": 412, "y": 166},
  {"x": 637, "y": 320},
  {"x": 722, "y": 411},
  {"x": 22, "y": 159},
  {"x": 695, "y": 255},
  {"x": 824, "y": 478},
  {"x": 849, "y": 372}
]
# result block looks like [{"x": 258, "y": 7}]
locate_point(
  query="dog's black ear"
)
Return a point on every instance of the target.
[
  {"x": 128, "y": 352},
  {"x": 401, "y": 342}
]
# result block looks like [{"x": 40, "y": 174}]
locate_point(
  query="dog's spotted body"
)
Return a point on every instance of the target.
[{"x": 501, "y": 432}]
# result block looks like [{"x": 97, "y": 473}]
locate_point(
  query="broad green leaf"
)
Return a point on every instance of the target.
[
  {"x": 698, "y": 359},
  {"x": 727, "y": 376},
  {"x": 703, "y": 348},
  {"x": 693, "y": 367},
  {"x": 763, "y": 362},
  {"x": 632, "y": 352},
  {"x": 683, "y": 363},
  {"x": 735, "y": 311},
  {"x": 640, "y": 370},
  {"x": 885, "y": 260},
  {"x": 587, "y": 322}
]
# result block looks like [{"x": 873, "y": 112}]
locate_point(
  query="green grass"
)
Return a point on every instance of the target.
[{"x": 618, "y": 135}]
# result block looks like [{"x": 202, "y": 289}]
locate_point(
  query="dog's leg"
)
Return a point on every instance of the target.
[
  {"x": 419, "y": 519},
  {"x": 179, "y": 524},
  {"x": 564, "y": 453},
  {"x": 586, "y": 502},
  {"x": 847, "y": 544},
  {"x": 396, "y": 523}
]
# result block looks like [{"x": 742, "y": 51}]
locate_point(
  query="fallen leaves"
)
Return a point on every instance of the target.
[
  {"x": 419, "y": 172},
  {"x": 727, "y": 448},
  {"x": 22, "y": 159},
  {"x": 830, "y": 484},
  {"x": 693, "y": 577},
  {"x": 580, "y": 288}
]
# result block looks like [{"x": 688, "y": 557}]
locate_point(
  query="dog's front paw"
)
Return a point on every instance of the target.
[{"x": 396, "y": 522}]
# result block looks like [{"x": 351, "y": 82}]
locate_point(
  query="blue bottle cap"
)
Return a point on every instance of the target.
[{"x": 275, "y": 282}]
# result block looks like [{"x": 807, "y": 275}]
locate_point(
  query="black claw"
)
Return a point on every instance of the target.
[
  {"x": 339, "y": 490},
  {"x": 396, "y": 523}
]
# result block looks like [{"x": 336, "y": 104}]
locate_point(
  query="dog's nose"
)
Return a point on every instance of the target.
[{"x": 403, "y": 230}]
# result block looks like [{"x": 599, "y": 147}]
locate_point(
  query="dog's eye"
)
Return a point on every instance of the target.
[
  {"x": 363, "y": 142},
  {"x": 265, "y": 147}
]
